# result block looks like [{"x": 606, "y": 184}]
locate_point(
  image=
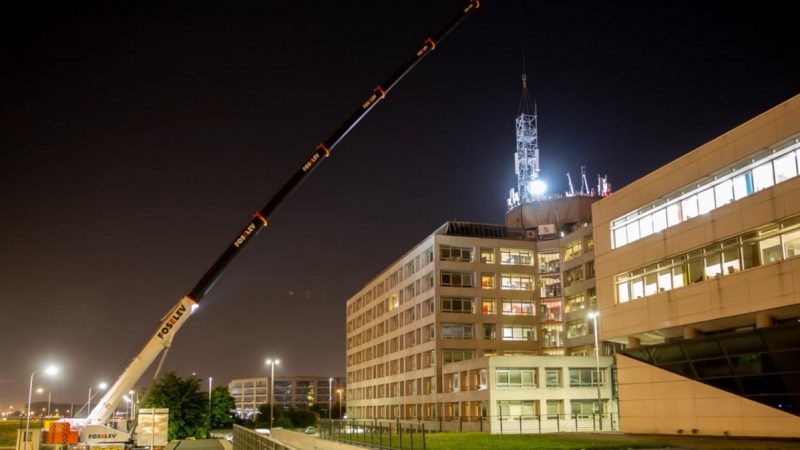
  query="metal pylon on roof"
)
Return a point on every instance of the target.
[{"x": 526, "y": 158}]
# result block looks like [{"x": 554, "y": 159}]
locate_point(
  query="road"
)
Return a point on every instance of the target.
[{"x": 199, "y": 444}]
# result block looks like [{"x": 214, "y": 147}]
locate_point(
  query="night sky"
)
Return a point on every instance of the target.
[{"x": 137, "y": 139}]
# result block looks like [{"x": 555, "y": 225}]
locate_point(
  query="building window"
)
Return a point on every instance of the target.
[
  {"x": 585, "y": 377},
  {"x": 549, "y": 262},
  {"x": 487, "y": 306},
  {"x": 513, "y": 307},
  {"x": 576, "y": 328},
  {"x": 573, "y": 276},
  {"x": 456, "y": 331},
  {"x": 515, "y": 378},
  {"x": 516, "y": 256},
  {"x": 487, "y": 281},
  {"x": 487, "y": 255},
  {"x": 516, "y": 281},
  {"x": 572, "y": 250},
  {"x": 583, "y": 408},
  {"x": 552, "y": 335},
  {"x": 456, "y": 355},
  {"x": 575, "y": 302},
  {"x": 460, "y": 254},
  {"x": 768, "y": 245},
  {"x": 464, "y": 305},
  {"x": 518, "y": 333},
  {"x": 735, "y": 183},
  {"x": 515, "y": 409},
  {"x": 456, "y": 279},
  {"x": 488, "y": 331},
  {"x": 553, "y": 377},
  {"x": 554, "y": 409}
]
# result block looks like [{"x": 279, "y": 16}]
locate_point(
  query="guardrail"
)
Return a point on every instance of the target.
[
  {"x": 247, "y": 439},
  {"x": 411, "y": 434}
]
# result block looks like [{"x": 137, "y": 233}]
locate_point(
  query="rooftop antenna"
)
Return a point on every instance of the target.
[
  {"x": 584, "y": 182},
  {"x": 571, "y": 191},
  {"x": 526, "y": 158}
]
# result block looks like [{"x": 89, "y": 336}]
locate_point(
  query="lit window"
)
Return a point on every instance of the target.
[
  {"x": 689, "y": 207},
  {"x": 742, "y": 186},
  {"x": 487, "y": 281},
  {"x": 762, "y": 177},
  {"x": 487, "y": 306},
  {"x": 487, "y": 255},
  {"x": 724, "y": 193},
  {"x": 674, "y": 215},
  {"x": 623, "y": 291},
  {"x": 620, "y": 237},
  {"x": 518, "y": 308},
  {"x": 705, "y": 201},
  {"x": 785, "y": 168},
  {"x": 516, "y": 256},
  {"x": 646, "y": 226},
  {"x": 633, "y": 231},
  {"x": 659, "y": 220},
  {"x": 518, "y": 333},
  {"x": 516, "y": 282}
]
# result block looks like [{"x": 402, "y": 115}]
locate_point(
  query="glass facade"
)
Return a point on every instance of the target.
[
  {"x": 762, "y": 364},
  {"x": 734, "y": 183},
  {"x": 766, "y": 245}
]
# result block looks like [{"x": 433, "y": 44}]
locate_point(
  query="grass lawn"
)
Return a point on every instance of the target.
[
  {"x": 576, "y": 441},
  {"x": 8, "y": 432},
  {"x": 481, "y": 441}
]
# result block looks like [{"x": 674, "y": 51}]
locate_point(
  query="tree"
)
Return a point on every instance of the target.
[
  {"x": 302, "y": 417},
  {"x": 222, "y": 405},
  {"x": 263, "y": 414},
  {"x": 187, "y": 405}
]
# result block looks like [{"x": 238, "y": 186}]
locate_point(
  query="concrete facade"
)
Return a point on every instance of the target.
[{"x": 701, "y": 246}]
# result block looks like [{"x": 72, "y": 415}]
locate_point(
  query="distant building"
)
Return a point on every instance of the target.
[
  {"x": 290, "y": 392},
  {"x": 697, "y": 274},
  {"x": 465, "y": 294}
]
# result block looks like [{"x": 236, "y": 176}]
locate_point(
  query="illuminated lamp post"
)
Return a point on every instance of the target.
[
  {"x": 330, "y": 396},
  {"x": 272, "y": 362},
  {"x": 50, "y": 370},
  {"x": 594, "y": 315},
  {"x": 102, "y": 386},
  {"x": 339, "y": 391}
]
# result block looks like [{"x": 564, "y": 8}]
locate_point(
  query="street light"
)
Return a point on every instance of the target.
[
  {"x": 594, "y": 315},
  {"x": 102, "y": 386},
  {"x": 272, "y": 362},
  {"x": 339, "y": 391},
  {"x": 39, "y": 391},
  {"x": 50, "y": 370},
  {"x": 330, "y": 396},
  {"x": 210, "y": 381}
]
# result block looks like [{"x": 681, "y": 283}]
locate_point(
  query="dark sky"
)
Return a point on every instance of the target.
[{"x": 137, "y": 138}]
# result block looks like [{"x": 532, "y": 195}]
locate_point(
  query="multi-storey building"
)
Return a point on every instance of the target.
[
  {"x": 697, "y": 273},
  {"x": 467, "y": 291},
  {"x": 290, "y": 392}
]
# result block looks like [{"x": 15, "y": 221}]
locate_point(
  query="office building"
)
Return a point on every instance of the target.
[{"x": 697, "y": 276}]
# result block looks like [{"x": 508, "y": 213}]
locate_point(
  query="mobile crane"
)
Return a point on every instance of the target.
[{"x": 94, "y": 428}]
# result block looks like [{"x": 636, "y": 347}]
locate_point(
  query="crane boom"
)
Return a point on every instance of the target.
[{"x": 162, "y": 338}]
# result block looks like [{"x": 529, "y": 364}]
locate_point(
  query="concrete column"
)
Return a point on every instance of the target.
[
  {"x": 763, "y": 320},
  {"x": 634, "y": 342},
  {"x": 690, "y": 333}
]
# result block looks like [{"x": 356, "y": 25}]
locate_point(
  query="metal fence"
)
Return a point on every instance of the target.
[
  {"x": 411, "y": 434},
  {"x": 247, "y": 439}
]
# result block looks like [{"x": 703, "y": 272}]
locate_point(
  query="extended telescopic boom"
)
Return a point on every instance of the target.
[{"x": 170, "y": 324}]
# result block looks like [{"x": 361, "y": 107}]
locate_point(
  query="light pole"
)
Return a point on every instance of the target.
[
  {"x": 39, "y": 391},
  {"x": 330, "y": 396},
  {"x": 271, "y": 362},
  {"x": 210, "y": 381},
  {"x": 594, "y": 315},
  {"x": 102, "y": 386},
  {"x": 50, "y": 370},
  {"x": 339, "y": 391}
]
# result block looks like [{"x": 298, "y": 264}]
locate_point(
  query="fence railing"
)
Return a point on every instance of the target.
[
  {"x": 411, "y": 434},
  {"x": 247, "y": 439}
]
